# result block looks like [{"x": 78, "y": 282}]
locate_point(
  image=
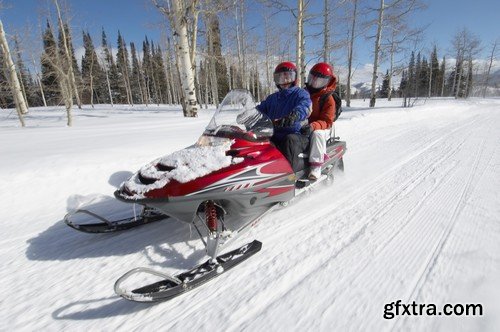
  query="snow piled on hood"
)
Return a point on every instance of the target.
[{"x": 188, "y": 164}]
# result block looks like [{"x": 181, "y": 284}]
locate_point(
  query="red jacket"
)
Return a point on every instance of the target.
[{"x": 323, "y": 119}]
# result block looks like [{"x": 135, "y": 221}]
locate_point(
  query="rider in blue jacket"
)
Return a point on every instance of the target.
[{"x": 287, "y": 108}]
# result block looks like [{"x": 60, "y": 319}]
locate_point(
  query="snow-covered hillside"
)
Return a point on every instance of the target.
[{"x": 415, "y": 217}]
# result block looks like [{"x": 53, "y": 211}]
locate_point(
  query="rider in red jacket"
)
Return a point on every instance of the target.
[{"x": 321, "y": 81}]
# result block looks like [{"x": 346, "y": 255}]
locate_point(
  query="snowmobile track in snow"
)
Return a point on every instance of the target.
[
  {"x": 436, "y": 252},
  {"x": 359, "y": 196},
  {"x": 369, "y": 221},
  {"x": 453, "y": 146},
  {"x": 413, "y": 218}
]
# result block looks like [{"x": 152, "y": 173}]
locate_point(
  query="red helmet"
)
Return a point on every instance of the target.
[
  {"x": 285, "y": 73},
  {"x": 320, "y": 75}
]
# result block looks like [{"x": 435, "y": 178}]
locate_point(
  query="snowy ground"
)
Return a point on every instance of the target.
[{"x": 416, "y": 217}]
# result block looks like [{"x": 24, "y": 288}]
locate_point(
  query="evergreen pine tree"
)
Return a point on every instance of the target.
[
  {"x": 136, "y": 83},
  {"x": 123, "y": 69},
  {"x": 423, "y": 83},
  {"x": 50, "y": 81},
  {"x": 27, "y": 86},
  {"x": 154, "y": 75},
  {"x": 384, "y": 91},
  {"x": 86, "y": 71},
  {"x": 111, "y": 69},
  {"x": 459, "y": 89},
  {"x": 161, "y": 75},
  {"x": 442, "y": 78},
  {"x": 257, "y": 86},
  {"x": 202, "y": 81},
  {"x": 468, "y": 84},
  {"x": 6, "y": 98},
  {"x": 69, "y": 42},
  {"x": 219, "y": 62},
  {"x": 92, "y": 74},
  {"x": 146, "y": 67},
  {"x": 435, "y": 84},
  {"x": 449, "y": 83},
  {"x": 403, "y": 85},
  {"x": 411, "y": 76},
  {"x": 418, "y": 68}
]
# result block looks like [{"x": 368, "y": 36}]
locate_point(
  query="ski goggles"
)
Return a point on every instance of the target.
[
  {"x": 318, "y": 81},
  {"x": 284, "y": 77}
]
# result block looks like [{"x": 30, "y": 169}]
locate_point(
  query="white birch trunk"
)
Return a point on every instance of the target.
[
  {"x": 126, "y": 80},
  {"x": 454, "y": 78},
  {"x": 141, "y": 87},
  {"x": 377, "y": 50},
  {"x": 67, "y": 95},
  {"x": 23, "y": 89},
  {"x": 194, "y": 34},
  {"x": 268, "y": 70},
  {"x": 300, "y": 41},
  {"x": 109, "y": 85},
  {"x": 350, "y": 55},
  {"x": 489, "y": 69},
  {"x": 39, "y": 81},
  {"x": 326, "y": 34},
  {"x": 469, "y": 74},
  {"x": 206, "y": 84},
  {"x": 429, "y": 93},
  {"x": 19, "y": 73},
  {"x": 391, "y": 67},
  {"x": 185, "y": 68},
  {"x": 13, "y": 79},
  {"x": 67, "y": 53},
  {"x": 91, "y": 81},
  {"x": 244, "y": 68},
  {"x": 171, "y": 82},
  {"x": 443, "y": 81},
  {"x": 459, "y": 81},
  {"x": 238, "y": 42}
]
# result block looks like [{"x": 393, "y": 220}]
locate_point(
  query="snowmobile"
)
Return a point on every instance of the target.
[{"x": 222, "y": 185}]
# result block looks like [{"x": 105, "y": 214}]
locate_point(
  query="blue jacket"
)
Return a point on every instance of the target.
[{"x": 281, "y": 103}]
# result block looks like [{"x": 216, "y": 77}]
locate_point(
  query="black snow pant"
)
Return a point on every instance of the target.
[{"x": 291, "y": 146}]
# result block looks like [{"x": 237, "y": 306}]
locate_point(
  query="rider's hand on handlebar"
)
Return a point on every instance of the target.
[
  {"x": 290, "y": 119},
  {"x": 306, "y": 130}
]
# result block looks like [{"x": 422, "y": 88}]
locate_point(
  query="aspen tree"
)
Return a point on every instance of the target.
[
  {"x": 13, "y": 79},
  {"x": 178, "y": 16}
]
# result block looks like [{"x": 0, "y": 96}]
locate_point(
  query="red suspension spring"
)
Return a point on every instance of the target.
[{"x": 211, "y": 216}]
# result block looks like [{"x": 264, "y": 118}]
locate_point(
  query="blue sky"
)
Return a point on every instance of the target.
[
  {"x": 134, "y": 18},
  {"x": 137, "y": 18}
]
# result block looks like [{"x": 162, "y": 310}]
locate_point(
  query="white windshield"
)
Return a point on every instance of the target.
[{"x": 237, "y": 117}]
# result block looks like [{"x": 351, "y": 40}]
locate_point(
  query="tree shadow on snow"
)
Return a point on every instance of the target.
[
  {"x": 98, "y": 308},
  {"x": 172, "y": 240}
]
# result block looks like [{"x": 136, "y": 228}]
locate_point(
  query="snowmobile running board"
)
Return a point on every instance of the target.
[
  {"x": 107, "y": 226},
  {"x": 171, "y": 286}
]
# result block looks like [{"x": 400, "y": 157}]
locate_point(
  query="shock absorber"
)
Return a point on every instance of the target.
[{"x": 211, "y": 216}]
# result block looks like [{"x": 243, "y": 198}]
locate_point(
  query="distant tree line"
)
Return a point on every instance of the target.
[
  {"x": 148, "y": 74},
  {"x": 127, "y": 77},
  {"x": 431, "y": 78},
  {"x": 190, "y": 66}
]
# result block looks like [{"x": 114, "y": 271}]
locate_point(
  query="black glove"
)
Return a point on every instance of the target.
[
  {"x": 290, "y": 119},
  {"x": 306, "y": 130}
]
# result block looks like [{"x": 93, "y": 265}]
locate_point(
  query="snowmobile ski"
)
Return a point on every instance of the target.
[
  {"x": 171, "y": 286},
  {"x": 104, "y": 225}
]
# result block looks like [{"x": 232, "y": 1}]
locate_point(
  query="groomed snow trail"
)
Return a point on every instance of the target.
[{"x": 415, "y": 217}]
